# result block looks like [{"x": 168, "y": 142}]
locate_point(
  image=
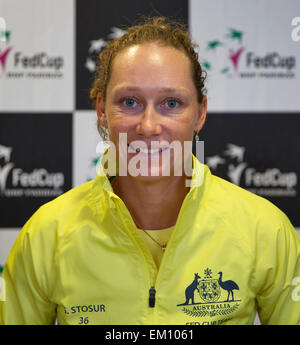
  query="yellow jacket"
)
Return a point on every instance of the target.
[{"x": 81, "y": 259}]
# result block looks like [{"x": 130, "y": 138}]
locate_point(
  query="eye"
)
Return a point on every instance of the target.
[
  {"x": 129, "y": 102},
  {"x": 172, "y": 103}
]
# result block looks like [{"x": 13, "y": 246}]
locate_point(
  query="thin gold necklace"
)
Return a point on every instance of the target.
[
  {"x": 114, "y": 184},
  {"x": 163, "y": 247}
]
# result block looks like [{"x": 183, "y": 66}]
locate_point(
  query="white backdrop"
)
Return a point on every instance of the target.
[{"x": 259, "y": 28}]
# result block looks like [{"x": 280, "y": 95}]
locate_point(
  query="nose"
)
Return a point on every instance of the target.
[{"x": 149, "y": 124}]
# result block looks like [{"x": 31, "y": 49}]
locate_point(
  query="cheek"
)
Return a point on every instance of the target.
[
  {"x": 120, "y": 125},
  {"x": 186, "y": 123},
  {"x": 183, "y": 131},
  {"x": 117, "y": 124}
]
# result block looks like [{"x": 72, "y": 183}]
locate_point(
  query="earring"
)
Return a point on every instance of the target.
[
  {"x": 196, "y": 136},
  {"x": 105, "y": 134}
]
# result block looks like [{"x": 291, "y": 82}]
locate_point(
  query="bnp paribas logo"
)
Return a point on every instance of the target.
[
  {"x": 5, "y": 154},
  {"x": 223, "y": 55},
  {"x": 97, "y": 45}
]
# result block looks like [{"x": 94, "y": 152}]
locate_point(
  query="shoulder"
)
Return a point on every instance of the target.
[
  {"x": 254, "y": 222},
  {"x": 236, "y": 199},
  {"x": 245, "y": 210},
  {"x": 67, "y": 202},
  {"x": 54, "y": 215}
]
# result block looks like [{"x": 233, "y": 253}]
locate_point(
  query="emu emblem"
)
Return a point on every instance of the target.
[{"x": 206, "y": 297}]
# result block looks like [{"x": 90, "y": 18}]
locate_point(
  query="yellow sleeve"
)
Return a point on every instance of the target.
[
  {"x": 278, "y": 273},
  {"x": 28, "y": 276}
]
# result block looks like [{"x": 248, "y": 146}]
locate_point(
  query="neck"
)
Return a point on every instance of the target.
[{"x": 153, "y": 205}]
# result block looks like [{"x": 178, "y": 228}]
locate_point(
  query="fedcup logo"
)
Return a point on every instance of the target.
[
  {"x": 15, "y": 182},
  {"x": 161, "y": 158},
  {"x": 295, "y": 34},
  {"x": 4, "y": 39},
  {"x": 229, "y": 55}
]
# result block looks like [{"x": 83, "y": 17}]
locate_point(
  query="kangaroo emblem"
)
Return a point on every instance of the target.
[{"x": 189, "y": 291}]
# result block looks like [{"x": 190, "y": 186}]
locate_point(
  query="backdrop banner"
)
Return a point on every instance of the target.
[
  {"x": 98, "y": 22},
  {"x": 253, "y": 151},
  {"x": 48, "y": 54},
  {"x": 37, "y": 55},
  {"x": 35, "y": 163},
  {"x": 246, "y": 47}
]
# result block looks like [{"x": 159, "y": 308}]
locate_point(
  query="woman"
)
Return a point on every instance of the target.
[{"x": 145, "y": 247}]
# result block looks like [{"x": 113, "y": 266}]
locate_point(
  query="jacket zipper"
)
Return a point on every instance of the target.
[
  {"x": 152, "y": 293},
  {"x": 152, "y": 290}
]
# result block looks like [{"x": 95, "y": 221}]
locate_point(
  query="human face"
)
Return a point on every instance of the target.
[{"x": 152, "y": 98}]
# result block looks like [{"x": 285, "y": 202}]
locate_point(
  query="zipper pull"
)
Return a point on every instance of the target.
[{"x": 152, "y": 293}]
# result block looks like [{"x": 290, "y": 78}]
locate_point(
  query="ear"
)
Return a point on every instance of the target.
[
  {"x": 100, "y": 108},
  {"x": 201, "y": 115}
]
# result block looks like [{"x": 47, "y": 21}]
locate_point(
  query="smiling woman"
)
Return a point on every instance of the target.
[
  {"x": 135, "y": 244},
  {"x": 151, "y": 100},
  {"x": 156, "y": 104},
  {"x": 160, "y": 31}
]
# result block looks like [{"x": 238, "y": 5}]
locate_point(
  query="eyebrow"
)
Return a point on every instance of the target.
[{"x": 162, "y": 89}]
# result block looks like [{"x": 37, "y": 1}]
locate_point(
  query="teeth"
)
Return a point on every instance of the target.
[{"x": 151, "y": 151}]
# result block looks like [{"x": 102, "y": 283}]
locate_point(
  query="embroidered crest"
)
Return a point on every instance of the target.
[
  {"x": 209, "y": 290},
  {"x": 210, "y": 296}
]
